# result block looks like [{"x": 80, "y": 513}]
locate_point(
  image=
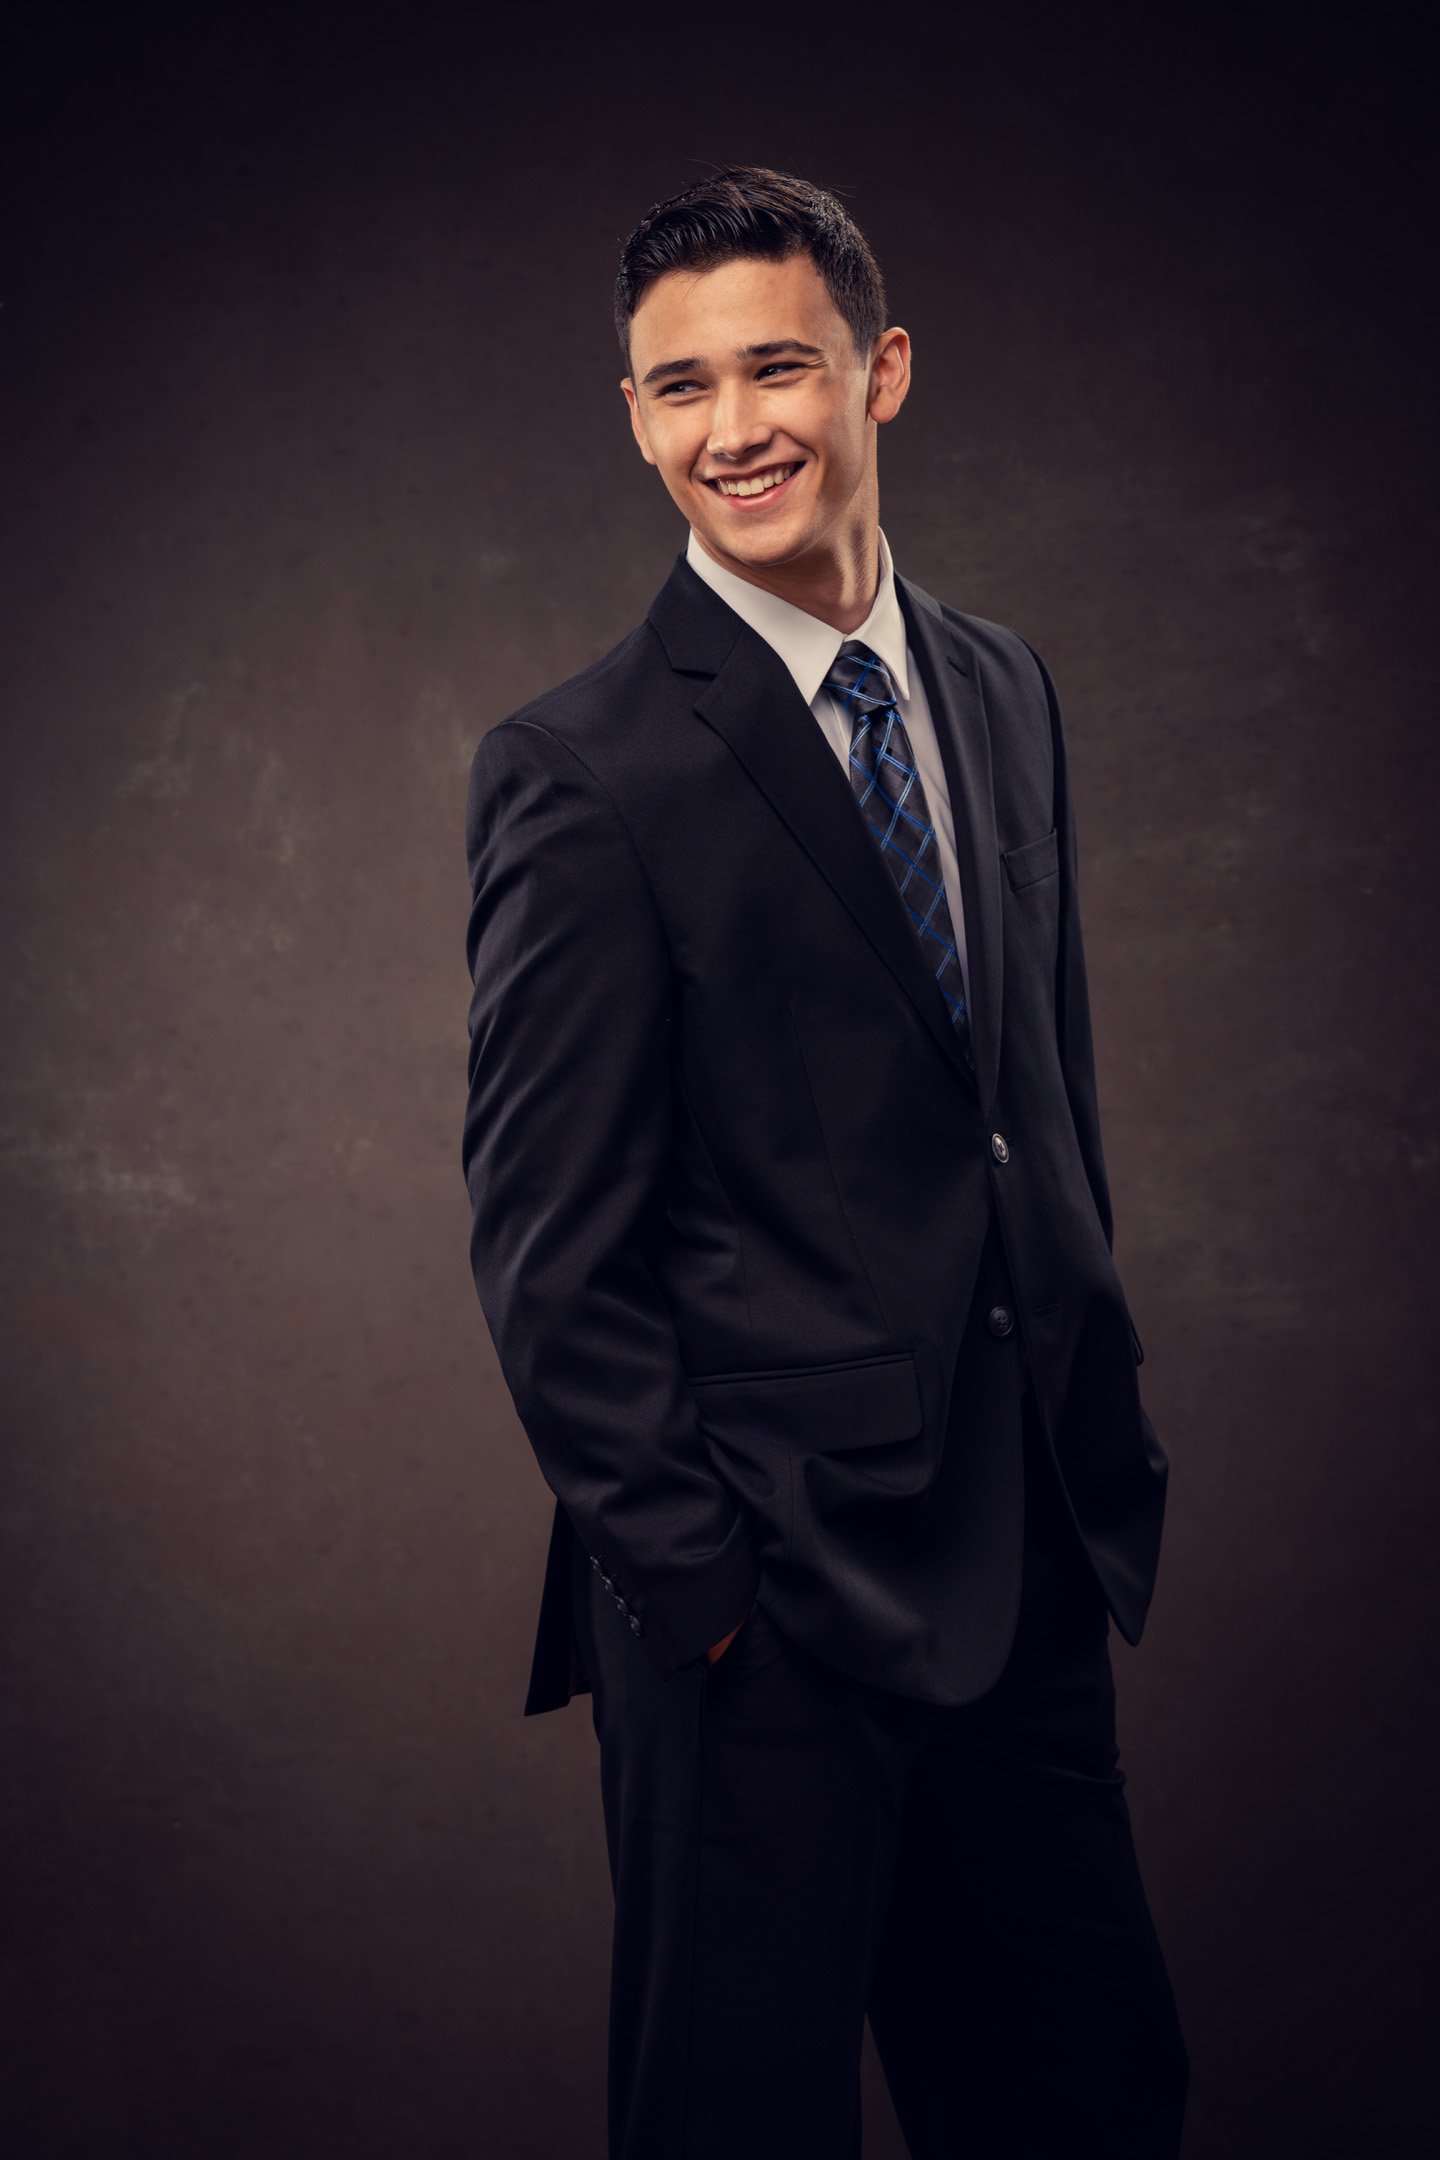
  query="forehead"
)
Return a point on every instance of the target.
[{"x": 707, "y": 314}]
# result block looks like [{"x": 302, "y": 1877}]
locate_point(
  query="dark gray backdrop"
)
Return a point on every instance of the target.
[{"x": 315, "y": 466}]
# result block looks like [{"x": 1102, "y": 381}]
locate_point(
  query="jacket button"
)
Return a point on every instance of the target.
[
  {"x": 635, "y": 1627},
  {"x": 622, "y": 1605},
  {"x": 998, "y": 1147},
  {"x": 595, "y": 1562},
  {"x": 1002, "y": 1320},
  {"x": 605, "y": 1583}
]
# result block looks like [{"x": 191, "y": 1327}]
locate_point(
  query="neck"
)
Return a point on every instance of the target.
[{"x": 836, "y": 582}]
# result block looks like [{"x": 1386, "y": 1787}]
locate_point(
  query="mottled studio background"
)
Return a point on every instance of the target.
[{"x": 315, "y": 465}]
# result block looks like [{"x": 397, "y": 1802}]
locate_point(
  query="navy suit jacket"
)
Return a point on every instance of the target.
[{"x": 730, "y": 1179}]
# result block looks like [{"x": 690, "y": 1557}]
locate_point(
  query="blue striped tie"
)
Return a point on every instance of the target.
[{"x": 892, "y": 802}]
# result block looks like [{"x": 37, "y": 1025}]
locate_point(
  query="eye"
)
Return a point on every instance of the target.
[
  {"x": 674, "y": 388},
  {"x": 790, "y": 365}
]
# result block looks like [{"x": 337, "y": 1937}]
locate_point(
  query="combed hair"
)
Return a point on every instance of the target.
[{"x": 751, "y": 210}]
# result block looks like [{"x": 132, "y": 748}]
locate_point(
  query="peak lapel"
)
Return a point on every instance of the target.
[
  {"x": 753, "y": 703},
  {"x": 951, "y": 675}
]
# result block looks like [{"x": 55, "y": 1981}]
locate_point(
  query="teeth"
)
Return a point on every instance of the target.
[{"x": 758, "y": 485}]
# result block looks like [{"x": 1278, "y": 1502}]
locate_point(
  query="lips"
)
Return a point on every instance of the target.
[{"x": 759, "y": 486}]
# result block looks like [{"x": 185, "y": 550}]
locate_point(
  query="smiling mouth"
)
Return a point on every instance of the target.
[{"x": 754, "y": 487}]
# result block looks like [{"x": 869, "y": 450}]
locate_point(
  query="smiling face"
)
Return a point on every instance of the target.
[{"x": 749, "y": 398}]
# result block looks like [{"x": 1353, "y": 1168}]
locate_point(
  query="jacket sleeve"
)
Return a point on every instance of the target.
[
  {"x": 1072, "y": 996},
  {"x": 565, "y": 1154}
]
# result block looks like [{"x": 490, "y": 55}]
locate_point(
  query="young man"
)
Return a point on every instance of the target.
[{"x": 792, "y": 1230}]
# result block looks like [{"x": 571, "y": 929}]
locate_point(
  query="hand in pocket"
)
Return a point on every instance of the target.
[{"x": 717, "y": 1650}]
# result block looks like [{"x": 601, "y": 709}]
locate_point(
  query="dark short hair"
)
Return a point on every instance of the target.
[{"x": 750, "y": 210}]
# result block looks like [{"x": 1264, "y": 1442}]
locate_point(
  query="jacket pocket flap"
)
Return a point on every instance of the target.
[
  {"x": 1035, "y": 860},
  {"x": 824, "y": 1407}
]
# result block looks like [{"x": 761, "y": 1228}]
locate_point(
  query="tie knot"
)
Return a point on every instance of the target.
[{"x": 860, "y": 679}]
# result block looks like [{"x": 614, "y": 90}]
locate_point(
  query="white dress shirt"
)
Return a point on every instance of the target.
[{"x": 808, "y": 647}]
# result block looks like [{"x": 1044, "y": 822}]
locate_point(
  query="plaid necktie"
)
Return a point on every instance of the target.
[{"x": 892, "y": 802}]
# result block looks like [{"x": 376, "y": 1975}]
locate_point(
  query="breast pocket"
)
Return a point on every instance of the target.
[
  {"x": 1033, "y": 860},
  {"x": 826, "y": 1407}
]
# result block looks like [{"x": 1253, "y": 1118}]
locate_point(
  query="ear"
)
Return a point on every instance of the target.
[
  {"x": 637, "y": 425},
  {"x": 889, "y": 374}
]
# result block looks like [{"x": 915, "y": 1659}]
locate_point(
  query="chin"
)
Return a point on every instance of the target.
[{"x": 766, "y": 547}]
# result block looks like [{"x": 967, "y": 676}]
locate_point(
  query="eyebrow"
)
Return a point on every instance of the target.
[{"x": 768, "y": 351}]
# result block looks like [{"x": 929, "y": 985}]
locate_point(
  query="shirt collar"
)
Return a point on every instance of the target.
[{"x": 806, "y": 644}]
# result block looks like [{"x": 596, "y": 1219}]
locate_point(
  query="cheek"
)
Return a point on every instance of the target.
[
  {"x": 839, "y": 445},
  {"x": 840, "y": 467},
  {"x": 676, "y": 466},
  {"x": 678, "y": 451}
]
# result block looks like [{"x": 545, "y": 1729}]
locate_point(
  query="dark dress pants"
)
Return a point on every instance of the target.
[{"x": 792, "y": 1850}]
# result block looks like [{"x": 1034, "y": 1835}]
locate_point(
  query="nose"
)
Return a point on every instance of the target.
[{"x": 736, "y": 424}]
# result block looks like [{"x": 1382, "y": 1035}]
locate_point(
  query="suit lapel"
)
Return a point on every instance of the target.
[{"x": 752, "y": 702}]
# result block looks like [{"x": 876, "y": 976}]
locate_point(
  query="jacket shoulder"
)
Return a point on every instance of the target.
[
  {"x": 1000, "y": 648},
  {"x": 583, "y": 733},
  {"x": 586, "y": 709}
]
